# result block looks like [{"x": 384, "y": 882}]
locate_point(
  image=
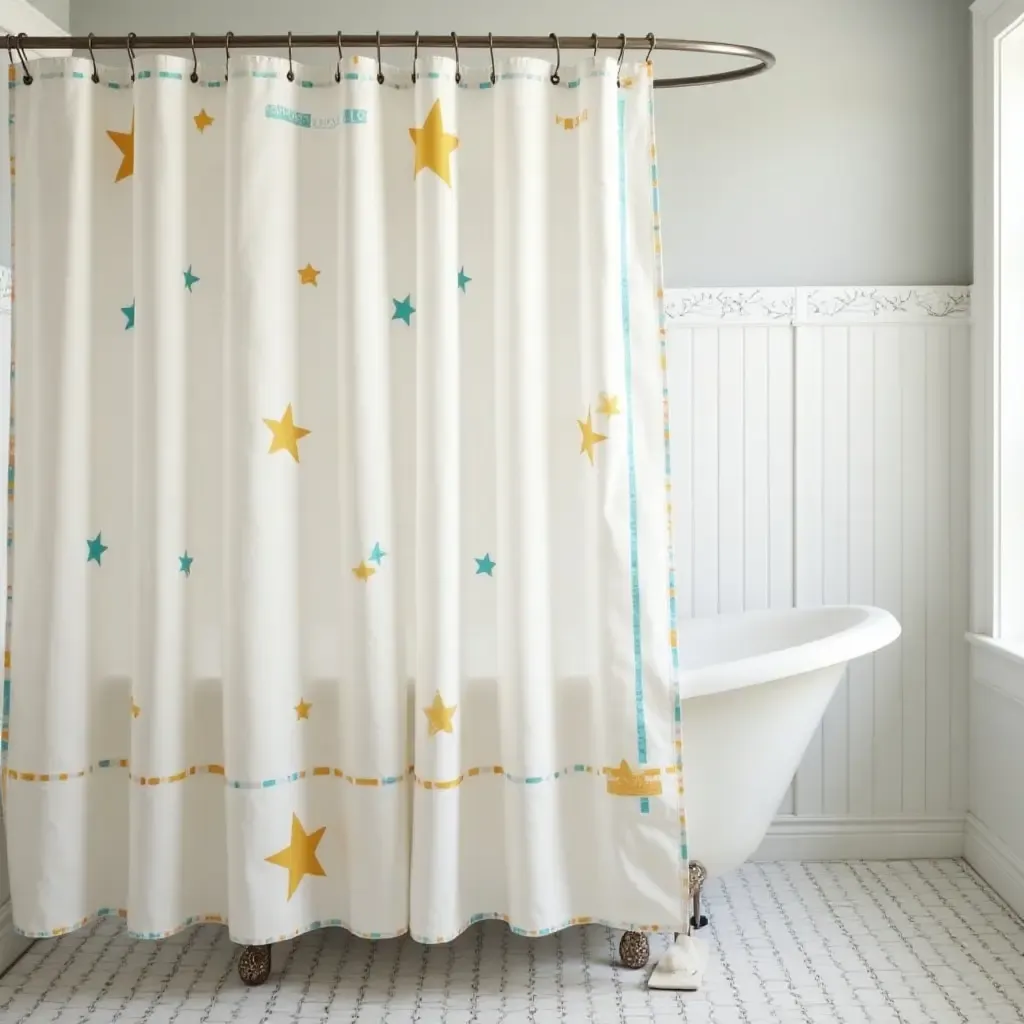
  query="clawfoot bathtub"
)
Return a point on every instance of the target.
[{"x": 754, "y": 688}]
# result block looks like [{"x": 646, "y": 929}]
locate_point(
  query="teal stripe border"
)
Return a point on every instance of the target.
[{"x": 634, "y": 559}]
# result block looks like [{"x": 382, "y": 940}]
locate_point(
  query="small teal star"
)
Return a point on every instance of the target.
[
  {"x": 96, "y": 549},
  {"x": 186, "y": 561},
  {"x": 129, "y": 313},
  {"x": 485, "y": 565},
  {"x": 404, "y": 309},
  {"x": 190, "y": 278},
  {"x": 376, "y": 555},
  {"x": 464, "y": 279}
]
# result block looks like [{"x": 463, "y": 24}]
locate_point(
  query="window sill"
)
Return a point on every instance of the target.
[{"x": 999, "y": 664}]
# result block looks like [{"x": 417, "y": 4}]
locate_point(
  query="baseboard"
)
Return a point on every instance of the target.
[
  {"x": 995, "y": 862},
  {"x": 796, "y": 837},
  {"x": 12, "y": 945}
]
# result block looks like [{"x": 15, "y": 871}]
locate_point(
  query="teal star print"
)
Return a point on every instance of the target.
[
  {"x": 96, "y": 549},
  {"x": 485, "y": 565},
  {"x": 186, "y": 561},
  {"x": 404, "y": 309},
  {"x": 376, "y": 555},
  {"x": 464, "y": 279},
  {"x": 129, "y": 314},
  {"x": 190, "y": 278}
]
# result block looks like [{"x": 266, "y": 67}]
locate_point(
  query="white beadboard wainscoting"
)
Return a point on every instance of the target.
[{"x": 820, "y": 456}]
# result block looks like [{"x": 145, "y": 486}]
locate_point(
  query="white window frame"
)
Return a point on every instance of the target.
[{"x": 997, "y": 366}]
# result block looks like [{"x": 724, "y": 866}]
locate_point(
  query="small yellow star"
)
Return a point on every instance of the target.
[
  {"x": 363, "y": 571},
  {"x": 439, "y": 716},
  {"x": 136, "y": 710},
  {"x": 302, "y": 709},
  {"x": 308, "y": 275},
  {"x": 286, "y": 434},
  {"x": 125, "y": 141},
  {"x": 299, "y": 856},
  {"x": 609, "y": 405},
  {"x": 434, "y": 146},
  {"x": 590, "y": 437},
  {"x": 203, "y": 120}
]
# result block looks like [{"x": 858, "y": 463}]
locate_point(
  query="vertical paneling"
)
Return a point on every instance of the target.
[
  {"x": 835, "y": 551},
  {"x": 826, "y": 463},
  {"x": 861, "y": 471}
]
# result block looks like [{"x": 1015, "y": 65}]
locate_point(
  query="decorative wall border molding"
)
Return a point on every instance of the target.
[{"x": 789, "y": 307}]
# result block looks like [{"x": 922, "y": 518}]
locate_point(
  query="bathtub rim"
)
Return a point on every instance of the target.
[{"x": 874, "y": 629}]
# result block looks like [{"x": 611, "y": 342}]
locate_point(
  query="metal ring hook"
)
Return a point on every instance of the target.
[
  {"x": 291, "y": 67},
  {"x": 92, "y": 57},
  {"x": 490, "y": 46},
  {"x": 593, "y": 39},
  {"x": 194, "y": 77},
  {"x": 654, "y": 42},
  {"x": 622, "y": 53},
  {"x": 23, "y": 57},
  {"x": 458, "y": 66},
  {"x": 227, "y": 54},
  {"x": 555, "y": 78},
  {"x": 380, "y": 72},
  {"x": 131, "y": 53},
  {"x": 415, "y": 55},
  {"x": 341, "y": 57}
]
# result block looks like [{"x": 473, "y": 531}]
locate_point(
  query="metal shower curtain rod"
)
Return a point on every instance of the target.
[{"x": 762, "y": 58}]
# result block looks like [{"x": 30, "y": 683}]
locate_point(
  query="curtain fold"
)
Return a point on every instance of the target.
[{"x": 343, "y": 588}]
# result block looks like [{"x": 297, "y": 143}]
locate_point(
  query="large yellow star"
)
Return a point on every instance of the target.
[
  {"x": 286, "y": 434},
  {"x": 302, "y": 709},
  {"x": 363, "y": 571},
  {"x": 308, "y": 275},
  {"x": 590, "y": 437},
  {"x": 434, "y": 146},
  {"x": 203, "y": 120},
  {"x": 125, "y": 141},
  {"x": 299, "y": 856},
  {"x": 439, "y": 716}
]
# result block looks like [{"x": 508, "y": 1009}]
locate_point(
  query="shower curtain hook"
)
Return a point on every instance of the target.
[
  {"x": 291, "y": 68},
  {"x": 622, "y": 53},
  {"x": 380, "y": 73},
  {"x": 490, "y": 46},
  {"x": 654, "y": 42},
  {"x": 593, "y": 39},
  {"x": 131, "y": 53},
  {"x": 415, "y": 55},
  {"x": 555, "y": 79},
  {"x": 458, "y": 66},
  {"x": 23, "y": 57},
  {"x": 227, "y": 54},
  {"x": 341, "y": 57},
  {"x": 92, "y": 57},
  {"x": 194, "y": 77}
]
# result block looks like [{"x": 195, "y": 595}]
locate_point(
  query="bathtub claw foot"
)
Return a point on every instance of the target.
[
  {"x": 698, "y": 876},
  {"x": 254, "y": 965},
  {"x": 634, "y": 950}
]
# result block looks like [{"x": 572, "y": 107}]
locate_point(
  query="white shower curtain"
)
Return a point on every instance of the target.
[{"x": 341, "y": 562}]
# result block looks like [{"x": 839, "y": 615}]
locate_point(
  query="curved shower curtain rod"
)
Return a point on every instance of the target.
[{"x": 763, "y": 59}]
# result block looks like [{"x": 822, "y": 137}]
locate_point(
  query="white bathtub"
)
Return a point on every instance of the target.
[{"x": 755, "y": 686}]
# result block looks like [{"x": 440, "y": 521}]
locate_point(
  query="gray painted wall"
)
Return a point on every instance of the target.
[{"x": 848, "y": 164}]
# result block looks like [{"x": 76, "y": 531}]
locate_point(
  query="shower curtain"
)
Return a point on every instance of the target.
[{"x": 340, "y": 553}]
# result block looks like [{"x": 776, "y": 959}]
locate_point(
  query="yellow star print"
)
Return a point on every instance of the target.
[
  {"x": 609, "y": 405},
  {"x": 439, "y": 717},
  {"x": 363, "y": 571},
  {"x": 434, "y": 146},
  {"x": 590, "y": 437},
  {"x": 308, "y": 274},
  {"x": 203, "y": 120},
  {"x": 136, "y": 710},
  {"x": 286, "y": 434},
  {"x": 299, "y": 856},
  {"x": 125, "y": 141},
  {"x": 302, "y": 709}
]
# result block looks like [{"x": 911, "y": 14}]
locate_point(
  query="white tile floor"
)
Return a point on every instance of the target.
[{"x": 915, "y": 941}]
